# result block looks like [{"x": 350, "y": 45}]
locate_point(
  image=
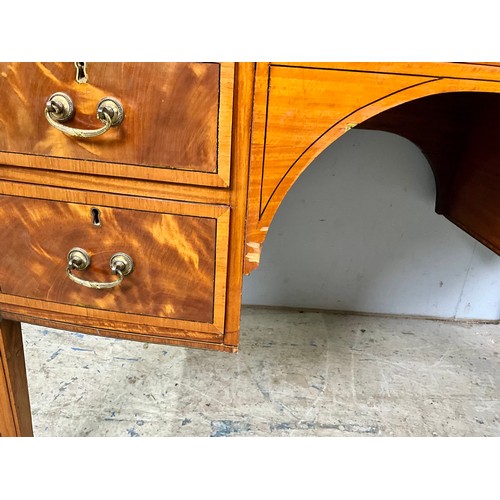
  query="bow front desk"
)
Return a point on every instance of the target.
[{"x": 134, "y": 196}]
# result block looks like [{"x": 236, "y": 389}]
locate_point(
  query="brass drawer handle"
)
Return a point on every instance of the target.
[
  {"x": 60, "y": 109},
  {"x": 121, "y": 264}
]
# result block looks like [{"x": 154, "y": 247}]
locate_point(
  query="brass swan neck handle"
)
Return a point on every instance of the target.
[
  {"x": 60, "y": 109},
  {"x": 120, "y": 263}
]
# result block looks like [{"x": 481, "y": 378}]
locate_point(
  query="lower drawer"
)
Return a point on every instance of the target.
[{"x": 179, "y": 255}]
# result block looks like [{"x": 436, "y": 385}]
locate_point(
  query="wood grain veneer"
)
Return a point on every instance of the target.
[
  {"x": 177, "y": 120},
  {"x": 189, "y": 184},
  {"x": 174, "y": 257},
  {"x": 15, "y": 412},
  {"x": 180, "y": 252},
  {"x": 301, "y": 108}
]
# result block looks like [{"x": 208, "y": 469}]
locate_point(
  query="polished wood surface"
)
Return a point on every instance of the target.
[
  {"x": 273, "y": 120},
  {"x": 15, "y": 413},
  {"x": 174, "y": 257},
  {"x": 177, "y": 118},
  {"x": 184, "y": 235},
  {"x": 189, "y": 184},
  {"x": 107, "y": 184},
  {"x": 474, "y": 202},
  {"x": 456, "y": 70},
  {"x": 301, "y": 108},
  {"x": 241, "y": 135}
]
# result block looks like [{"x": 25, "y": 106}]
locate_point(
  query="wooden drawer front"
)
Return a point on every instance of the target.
[
  {"x": 177, "y": 124},
  {"x": 175, "y": 259}
]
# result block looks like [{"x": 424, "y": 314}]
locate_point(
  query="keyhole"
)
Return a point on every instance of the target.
[
  {"x": 96, "y": 216},
  {"x": 81, "y": 72}
]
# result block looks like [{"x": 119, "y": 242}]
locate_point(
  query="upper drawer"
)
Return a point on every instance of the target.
[{"x": 176, "y": 126}]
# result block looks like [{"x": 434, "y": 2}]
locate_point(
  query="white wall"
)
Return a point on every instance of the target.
[{"x": 358, "y": 232}]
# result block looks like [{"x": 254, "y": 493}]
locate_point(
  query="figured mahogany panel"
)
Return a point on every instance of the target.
[
  {"x": 177, "y": 118},
  {"x": 174, "y": 256}
]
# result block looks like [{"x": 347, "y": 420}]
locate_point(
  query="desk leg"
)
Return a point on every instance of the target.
[{"x": 15, "y": 411}]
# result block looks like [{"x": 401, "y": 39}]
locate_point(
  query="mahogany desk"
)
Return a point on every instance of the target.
[{"x": 135, "y": 196}]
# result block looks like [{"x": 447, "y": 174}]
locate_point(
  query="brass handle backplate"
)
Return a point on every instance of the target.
[
  {"x": 60, "y": 109},
  {"x": 120, "y": 263}
]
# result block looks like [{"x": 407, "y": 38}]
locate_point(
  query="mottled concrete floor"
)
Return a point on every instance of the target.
[{"x": 297, "y": 374}]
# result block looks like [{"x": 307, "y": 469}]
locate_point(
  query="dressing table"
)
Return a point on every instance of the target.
[{"x": 135, "y": 196}]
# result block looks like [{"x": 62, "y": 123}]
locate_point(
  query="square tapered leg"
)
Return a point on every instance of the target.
[{"x": 15, "y": 411}]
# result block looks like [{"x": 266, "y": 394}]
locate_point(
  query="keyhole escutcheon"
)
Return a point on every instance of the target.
[
  {"x": 95, "y": 216},
  {"x": 81, "y": 72}
]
